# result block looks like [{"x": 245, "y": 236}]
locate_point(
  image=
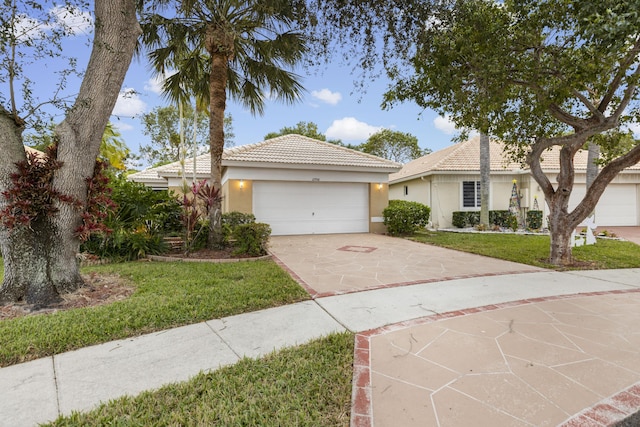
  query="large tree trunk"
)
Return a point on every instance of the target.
[
  {"x": 562, "y": 222},
  {"x": 220, "y": 47},
  {"x": 40, "y": 274},
  {"x": 485, "y": 170},
  {"x": 560, "y": 227}
]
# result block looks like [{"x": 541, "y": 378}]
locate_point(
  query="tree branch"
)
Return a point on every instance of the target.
[{"x": 617, "y": 80}]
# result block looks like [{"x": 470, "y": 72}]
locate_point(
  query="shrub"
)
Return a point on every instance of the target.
[
  {"x": 126, "y": 245},
  {"x": 231, "y": 220},
  {"x": 404, "y": 217},
  {"x": 142, "y": 217},
  {"x": 534, "y": 220},
  {"x": 139, "y": 204},
  {"x": 251, "y": 239},
  {"x": 463, "y": 219},
  {"x": 500, "y": 218},
  {"x": 236, "y": 218}
]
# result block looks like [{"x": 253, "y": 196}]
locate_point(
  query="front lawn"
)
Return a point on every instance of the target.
[
  {"x": 309, "y": 385},
  {"x": 534, "y": 249},
  {"x": 166, "y": 295}
]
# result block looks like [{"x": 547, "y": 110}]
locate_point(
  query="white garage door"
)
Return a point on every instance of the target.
[
  {"x": 312, "y": 207},
  {"x": 618, "y": 206}
]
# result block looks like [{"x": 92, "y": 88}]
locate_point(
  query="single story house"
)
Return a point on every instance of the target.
[
  {"x": 449, "y": 180},
  {"x": 296, "y": 184}
]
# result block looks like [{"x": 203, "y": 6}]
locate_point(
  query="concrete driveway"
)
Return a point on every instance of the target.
[
  {"x": 333, "y": 264},
  {"x": 631, "y": 234}
]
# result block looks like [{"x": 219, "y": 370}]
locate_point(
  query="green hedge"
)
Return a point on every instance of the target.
[
  {"x": 534, "y": 220},
  {"x": 500, "y": 218},
  {"x": 464, "y": 219},
  {"x": 404, "y": 217}
]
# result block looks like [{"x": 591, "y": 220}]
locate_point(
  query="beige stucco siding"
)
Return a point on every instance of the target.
[
  {"x": 443, "y": 193},
  {"x": 378, "y": 201},
  {"x": 238, "y": 196}
]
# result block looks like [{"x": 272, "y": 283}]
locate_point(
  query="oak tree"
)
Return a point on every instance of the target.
[
  {"x": 538, "y": 75},
  {"x": 40, "y": 250}
]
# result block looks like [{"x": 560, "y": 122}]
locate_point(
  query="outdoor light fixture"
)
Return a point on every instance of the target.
[
  {"x": 380, "y": 186},
  {"x": 241, "y": 183}
]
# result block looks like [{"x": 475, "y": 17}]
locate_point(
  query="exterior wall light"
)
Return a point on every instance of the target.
[{"x": 241, "y": 183}]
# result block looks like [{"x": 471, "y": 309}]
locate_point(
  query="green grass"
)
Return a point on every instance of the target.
[
  {"x": 166, "y": 295},
  {"x": 534, "y": 249},
  {"x": 309, "y": 385}
]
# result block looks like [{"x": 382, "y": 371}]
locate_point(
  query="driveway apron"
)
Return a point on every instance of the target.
[{"x": 342, "y": 263}]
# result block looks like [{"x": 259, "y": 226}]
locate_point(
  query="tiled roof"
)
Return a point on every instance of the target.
[
  {"x": 286, "y": 150},
  {"x": 298, "y": 149},
  {"x": 465, "y": 157}
]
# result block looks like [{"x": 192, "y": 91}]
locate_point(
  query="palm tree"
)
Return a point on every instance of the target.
[
  {"x": 238, "y": 48},
  {"x": 485, "y": 171}
]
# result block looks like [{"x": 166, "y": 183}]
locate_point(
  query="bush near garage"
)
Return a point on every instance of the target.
[
  {"x": 247, "y": 236},
  {"x": 403, "y": 217},
  {"x": 251, "y": 239}
]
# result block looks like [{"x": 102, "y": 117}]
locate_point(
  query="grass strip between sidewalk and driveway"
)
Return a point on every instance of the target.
[
  {"x": 309, "y": 385},
  {"x": 166, "y": 295},
  {"x": 534, "y": 249}
]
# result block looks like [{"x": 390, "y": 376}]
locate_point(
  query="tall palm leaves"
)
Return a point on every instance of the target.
[{"x": 243, "y": 49}]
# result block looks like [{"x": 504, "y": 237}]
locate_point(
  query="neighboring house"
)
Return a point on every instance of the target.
[
  {"x": 449, "y": 180},
  {"x": 296, "y": 184}
]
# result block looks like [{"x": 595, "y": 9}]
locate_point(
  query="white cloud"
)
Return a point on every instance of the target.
[
  {"x": 325, "y": 95},
  {"x": 122, "y": 127},
  {"x": 445, "y": 125},
  {"x": 351, "y": 129},
  {"x": 154, "y": 84},
  {"x": 70, "y": 18},
  {"x": 73, "y": 19},
  {"x": 27, "y": 28},
  {"x": 129, "y": 104},
  {"x": 635, "y": 128}
]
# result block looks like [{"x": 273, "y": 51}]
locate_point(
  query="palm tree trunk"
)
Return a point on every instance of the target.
[
  {"x": 485, "y": 170},
  {"x": 592, "y": 166},
  {"x": 218, "y": 100}
]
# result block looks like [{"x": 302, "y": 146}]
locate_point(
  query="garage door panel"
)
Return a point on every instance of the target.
[
  {"x": 617, "y": 205},
  {"x": 312, "y": 208}
]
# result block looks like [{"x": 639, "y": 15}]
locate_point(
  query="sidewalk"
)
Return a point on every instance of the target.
[{"x": 79, "y": 380}]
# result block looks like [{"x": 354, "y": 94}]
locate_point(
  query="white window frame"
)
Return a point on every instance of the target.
[{"x": 477, "y": 196}]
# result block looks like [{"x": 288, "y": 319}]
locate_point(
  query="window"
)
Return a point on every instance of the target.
[
  {"x": 406, "y": 190},
  {"x": 471, "y": 194}
]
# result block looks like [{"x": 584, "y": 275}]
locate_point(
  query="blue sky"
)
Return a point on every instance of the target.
[{"x": 329, "y": 99}]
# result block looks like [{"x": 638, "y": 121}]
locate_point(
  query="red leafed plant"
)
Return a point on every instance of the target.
[
  {"x": 32, "y": 196},
  {"x": 99, "y": 204},
  {"x": 196, "y": 206}
]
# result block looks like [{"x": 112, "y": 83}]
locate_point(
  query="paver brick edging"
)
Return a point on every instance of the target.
[
  {"x": 608, "y": 412},
  {"x": 177, "y": 259}
]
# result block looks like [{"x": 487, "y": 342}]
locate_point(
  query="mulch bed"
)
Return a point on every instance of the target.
[{"x": 100, "y": 289}]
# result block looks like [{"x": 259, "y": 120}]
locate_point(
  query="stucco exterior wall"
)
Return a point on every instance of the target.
[
  {"x": 378, "y": 201},
  {"x": 238, "y": 196},
  {"x": 443, "y": 193}
]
